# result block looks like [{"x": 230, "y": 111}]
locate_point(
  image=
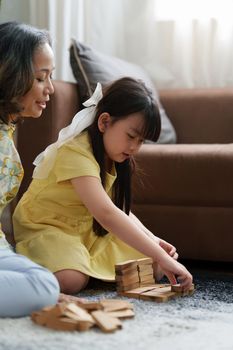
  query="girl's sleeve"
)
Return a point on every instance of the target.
[{"x": 75, "y": 161}]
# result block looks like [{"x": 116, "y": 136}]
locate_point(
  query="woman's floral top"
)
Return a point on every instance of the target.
[{"x": 11, "y": 170}]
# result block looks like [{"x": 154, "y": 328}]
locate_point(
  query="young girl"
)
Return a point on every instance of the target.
[
  {"x": 26, "y": 65},
  {"x": 75, "y": 218}
]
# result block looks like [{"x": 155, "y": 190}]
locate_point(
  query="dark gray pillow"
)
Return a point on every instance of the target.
[{"x": 90, "y": 66}]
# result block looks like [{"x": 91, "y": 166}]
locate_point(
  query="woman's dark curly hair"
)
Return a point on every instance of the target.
[{"x": 18, "y": 44}]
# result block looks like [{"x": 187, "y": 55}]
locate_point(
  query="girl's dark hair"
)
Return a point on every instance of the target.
[
  {"x": 122, "y": 98},
  {"x": 18, "y": 43}
]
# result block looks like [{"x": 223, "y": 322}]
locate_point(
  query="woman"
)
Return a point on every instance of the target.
[{"x": 26, "y": 65}]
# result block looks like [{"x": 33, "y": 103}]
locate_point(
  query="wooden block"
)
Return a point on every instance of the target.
[
  {"x": 34, "y": 315},
  {"x": 126, "y": 264},
  {"x": 90, "y": 305},
  {"x": 144, "y": 261},
  {"x": 39, "y": 317},
  {"x": 156, "y": 292},
  {"x": 178, "y": 288},
  {"x": 143, "y": 289},
  {"x": 70, "y": 316},
  {"x": 77, "y": 313},
  {"x": 146, "y": 283},
  {"x": 84, "y": 326},
  {"x": 163, "y": 289},
  {"x": 48, "y": 308},
  {"x": 184, "y": 293},
  {"x": 121, "y": 288},
  {"x": 156, "y": 286},
  {"x": 65, "y": 317},
  {"x": 73, "y": 316},
  {"x": 135, "y": 293},
  {"x": 48, "y": 312},
  {"x": 115, "y": 305},
  {"x": 127, "y": 313},
  {"x": 127, "y": 270},
  {"x": 129, "y": 294},
  {"x": 58, "y": 310},
  {"x": 106, "y": 323},
  {"x": 145, "y": 270},
  {"x": 161, "y": 285},
  {"x": 128, "y": 275},
  {"x": 127, "y": 279},
  {"x": 54, "y": 311},
  {"x": 147, "y": 279},
  {"x": 62, "y": 324},
  {"x": 148, "y": 287},
  {"x": 157, "y": 296},
  {"x": 126, "y": 284}
]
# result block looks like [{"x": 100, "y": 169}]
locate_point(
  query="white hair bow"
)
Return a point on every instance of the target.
[{"x": 45, "y": 160}]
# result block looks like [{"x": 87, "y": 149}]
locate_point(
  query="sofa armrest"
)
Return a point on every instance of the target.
[{"x": 200, "y": 115}]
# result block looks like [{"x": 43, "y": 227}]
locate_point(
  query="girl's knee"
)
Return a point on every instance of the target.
[{"x": 71, "y": 281}]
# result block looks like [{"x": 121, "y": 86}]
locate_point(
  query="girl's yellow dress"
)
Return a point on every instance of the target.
[{"x": 54, "y": 228}]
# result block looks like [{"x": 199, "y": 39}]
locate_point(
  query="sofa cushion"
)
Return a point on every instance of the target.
[{"x": 89, "y": 66}]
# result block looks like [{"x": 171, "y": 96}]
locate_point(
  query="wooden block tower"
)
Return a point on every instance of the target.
[{"x": 134, "y": 273}]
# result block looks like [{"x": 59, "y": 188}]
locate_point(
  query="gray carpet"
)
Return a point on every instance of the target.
[{"x": 202, "y": 321}]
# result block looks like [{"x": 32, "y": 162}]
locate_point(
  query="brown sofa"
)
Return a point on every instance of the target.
[{"x": 184, "y": 192}]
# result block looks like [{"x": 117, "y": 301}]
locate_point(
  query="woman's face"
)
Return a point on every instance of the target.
[{"x": 34, "y": 101}]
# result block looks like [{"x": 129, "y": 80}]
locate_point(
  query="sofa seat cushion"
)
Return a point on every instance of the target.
[
  {"x": 90, "y": 66},
  {"x": 190, "y": 175}
]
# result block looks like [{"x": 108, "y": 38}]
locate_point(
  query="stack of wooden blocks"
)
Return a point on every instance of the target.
[
  {"x": 105, "y": 314},
  {"x": 134, "y": 273},
  {"x": 135, "y": 279}
]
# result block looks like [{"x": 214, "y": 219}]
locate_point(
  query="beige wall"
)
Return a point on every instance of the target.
[{"x": 17, "y": 10}]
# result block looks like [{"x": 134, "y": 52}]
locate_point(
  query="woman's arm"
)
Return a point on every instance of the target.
[{"x": 94, "y": 197}]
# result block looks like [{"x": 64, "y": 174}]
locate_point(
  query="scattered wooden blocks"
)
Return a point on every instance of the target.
[
  {"x": 144, "y": 287},
  {"x": 105, "y": 314},
  {"x": 106, "y": 323}
]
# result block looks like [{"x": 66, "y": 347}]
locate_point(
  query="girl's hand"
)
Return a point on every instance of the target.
[
  {"x": 176, "y": 271},
  {"x": 169, "y": 248}
]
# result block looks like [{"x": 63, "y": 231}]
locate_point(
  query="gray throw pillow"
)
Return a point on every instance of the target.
[{"x": 89, "y": 66}]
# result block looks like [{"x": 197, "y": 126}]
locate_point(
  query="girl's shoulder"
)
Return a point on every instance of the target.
[
  {"x": 77, "y": 151},
  {"x": 75, "y": 158},
  {"x": 79, "y": 144}
]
